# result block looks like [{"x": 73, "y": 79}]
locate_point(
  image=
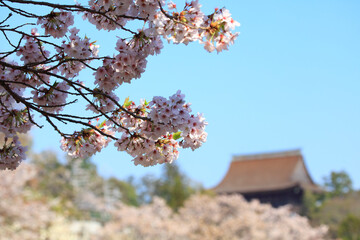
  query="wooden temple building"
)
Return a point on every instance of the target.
[{"x": 277, "y": 178}]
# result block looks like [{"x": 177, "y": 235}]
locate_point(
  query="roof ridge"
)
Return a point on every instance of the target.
[{"x": 258, "y": 156}]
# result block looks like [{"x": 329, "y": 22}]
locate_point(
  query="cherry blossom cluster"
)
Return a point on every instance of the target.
[
  {"x": 172, "y": 126},
  {"x": 148, "y": 152},
  {"x": 18, "y": 80},
  {"x": 119, "y": 12},
  {"x": 188, "y": 25},
  {"x": 56, "y": 23},
  {"x": 101, "y": 103},
  {"x": 165, "y": 126},
  {"x": 12, "y": 77},
  {"x": 14, "y": 121},
  {"x": 86, "y": 142},
  {"x": 115, "y": 10},
  {"x": 53, "y": 98},
  {"x": 179, "y": 27},
  {"x": 80, "y": 50},
  {"x": 214, "y": 31},
  {"x": 129, "y": 63},
  {"x": 14, "y": 118},
  {"x": 11, "y": 154},
  {"x": 175, "y": 115},
  {"x": 32, "y": 51},
  {"x": 219, "y": 36},
  {"x": 147, "y": 8}
]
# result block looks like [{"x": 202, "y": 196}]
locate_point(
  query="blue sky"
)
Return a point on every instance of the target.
[{"x": 290, "y": 81}]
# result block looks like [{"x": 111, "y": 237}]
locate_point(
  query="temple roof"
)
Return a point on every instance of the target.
[{"x": 266, "y": 172}]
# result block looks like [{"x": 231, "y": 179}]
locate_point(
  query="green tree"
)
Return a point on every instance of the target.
[
  {"x": 173, "y": 186},
  {"x": 310, "y": 203},
  {"x": 334, "y": 210},
  {"x": 127, "y": 190},
  {"x": 338, "y": 183},
  {"x": 333, "y": 206},
  {"x": 53, "y": 177},
  {"x": 349, "y": 228}
]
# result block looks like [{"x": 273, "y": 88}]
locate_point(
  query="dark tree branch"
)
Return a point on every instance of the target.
[
  {"x": 47, "y": 115},
  {"x": 10, "y": 14},
  {"x": 77, "y": 8}
]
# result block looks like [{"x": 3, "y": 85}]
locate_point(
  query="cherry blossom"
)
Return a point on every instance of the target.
[
  {"x": 44, "y": 76},
  {"x": 11, "y": 154},
  {"x": 56, "y": 23},
  {"x": 86, "y": 142},
  {"x": 14, "y": 121},
  {"x": 52, "y": 98}
]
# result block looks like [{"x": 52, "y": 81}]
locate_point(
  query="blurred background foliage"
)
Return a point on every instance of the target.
[
  {"x": 57, "y": 180},
  {"x": 68, "y": 184},
  {"x": 338, "y": 206}
]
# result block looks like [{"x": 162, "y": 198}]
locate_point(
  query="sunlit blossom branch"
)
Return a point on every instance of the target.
[
  {"x": 24, "y": 68},
  {"x": 71, "y": 83},
  {"x": 151, "y": 131}
]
